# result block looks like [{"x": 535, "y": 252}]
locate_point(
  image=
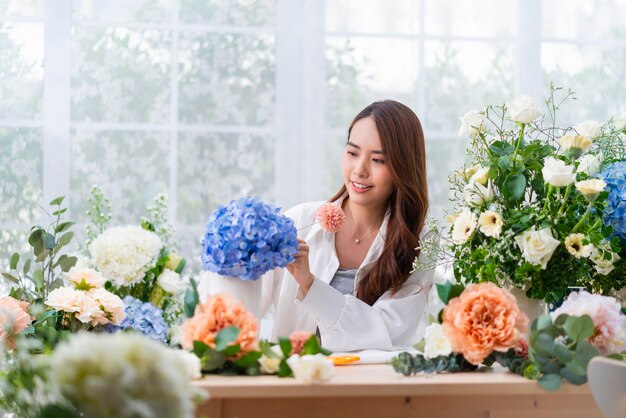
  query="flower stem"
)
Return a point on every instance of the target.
[
  {"x": 569, "y": 186},
  {"x": 482, "y": 137},
  {"x": 545, "y": 203},
  {"x": 582, "y": 220},
  {"x": 519, "y": 140}
]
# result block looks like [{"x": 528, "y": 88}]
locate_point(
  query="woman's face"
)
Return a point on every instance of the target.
[{"x": 364, "y": 168}]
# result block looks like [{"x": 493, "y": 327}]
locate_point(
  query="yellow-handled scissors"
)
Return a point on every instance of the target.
[{"x": 342, "y": 360}]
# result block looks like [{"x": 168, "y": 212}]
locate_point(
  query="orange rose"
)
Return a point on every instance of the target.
[
  {"x": 484, "y": 318},
  {"x": 215, "y": 314},
  {"x": 14, "y": 318}
]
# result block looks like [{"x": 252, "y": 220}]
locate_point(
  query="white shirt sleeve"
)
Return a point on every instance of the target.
[{"x": 392, "y": 322}]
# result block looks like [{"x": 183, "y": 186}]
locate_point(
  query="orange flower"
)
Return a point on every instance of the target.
[
  {"x": 215, "y": 314},
  {"x": 298, "y": 338},
  {"x": 484, "y": 318},
  {"x": 14, "y": 318},
  {"x": 330, "y": 216}
]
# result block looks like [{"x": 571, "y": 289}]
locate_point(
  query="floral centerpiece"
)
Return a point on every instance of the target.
[{"x": 531, "y": 210}]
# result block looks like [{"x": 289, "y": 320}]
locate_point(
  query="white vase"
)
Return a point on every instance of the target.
[
  {"x": 531, "y": 307},
  {"x": 246, "y": 291}
]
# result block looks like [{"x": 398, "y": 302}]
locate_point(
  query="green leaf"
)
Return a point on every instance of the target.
[
  {"x": 59, "y": 212},
  {"x": 57, "y": 201},
  {"x": 63, "y": 226},
  {"x": 420, "y": 346},
  {"x": 544, "y": 345},
  {"x": 579, "y": 328},
  {"x": 191, "y": 299},
  {"x": 58, "y": 411},
  {"x": 181, "y": 265},
  {"x": 38, "y": 279},
  {"x": 248, "y": 359},
  {"x": 584, "y": 353},
  {"x": 543, "y": 322},
  {"x": 64, "y": 240},
  {"x": 284, "y": 370},
  {"x": 312, "y": 346},
  {"x": 15, "y": 258},
  {"x": 550, "y": 382},
  {"x": 212, "y": 360},
  {"x": 199, "y": 348},
  {"x": 516, "y": 185},
  {"x": 26, "y": 268},
  {"x": 285, "y": 346},
  {"x": 231, "y": 350},
  {"x": 225, "y": 337},
  {"x": 562, "y": 353},
  {"x": 266, "y": 349},
  {"x": 67, "y": 263},
  {"x": 448, "y": 291},
  {"x": 42, "y": 255},
  {"x": 48, "y": 241},
  {"x": 560, "y": 320},
  {"x": 36, "y": 241},
  {"x": 11, "y": 278},
  {"x": 574, "y": 375}
]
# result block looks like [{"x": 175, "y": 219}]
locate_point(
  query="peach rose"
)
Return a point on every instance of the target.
[
  {"x": 14, "y": 318},
  {"x": 298, "y": 338},
  {"x": 215, "y": 314},
  {"x": 484, "y": 318}
]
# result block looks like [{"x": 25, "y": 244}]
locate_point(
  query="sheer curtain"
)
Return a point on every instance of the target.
[{"x": 208, "y": 100}]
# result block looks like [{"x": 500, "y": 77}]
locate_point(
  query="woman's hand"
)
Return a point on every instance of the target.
[{"x": 300, "y": 267}]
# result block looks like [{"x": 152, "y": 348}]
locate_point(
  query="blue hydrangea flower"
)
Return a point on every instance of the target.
[
  {"x": 143, "y": 317},
  {"x": 247, "y": 238},
  {"x": 615, "y": 213}
]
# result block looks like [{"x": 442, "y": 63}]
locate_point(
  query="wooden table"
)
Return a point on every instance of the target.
[{"x": 377, "y": 391}]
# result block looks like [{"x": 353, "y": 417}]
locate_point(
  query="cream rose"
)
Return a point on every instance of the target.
[
  {"x": 590, "y": 188},
  {"x": 557, "y": 173},
  {"x": 114, "y": 310},
  {"x": 85, "y": 278},
  {"x": 537, "y": 246},
  {"x": 311, "y": 368},
  {"x": 490, "y": 223},
  {"x": 603, "y": 266},
  {"x": 481, "y": 175},
  {"x": 574, "y": 246},
  {"x": 589, "y": 164},
  {"x": 472, "y": 123},
  {"x": 270, "y": 365},
  {"x": 464, "y": 226},
  {"x": 589, "y": 128},
  {"x": 524, "y": 109},
  {"x": 476, "y": 194},
  {"x": 575, "y": 144},
  {"x": 171, "y": 282},
  {"x": 437, "y": 344}
]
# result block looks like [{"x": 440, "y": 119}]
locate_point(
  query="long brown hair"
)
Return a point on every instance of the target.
[{"x": 402, "y": 140}]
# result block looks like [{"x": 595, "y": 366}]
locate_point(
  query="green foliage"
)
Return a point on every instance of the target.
[
  {"x": 191, "y": 298},
  {"x": 409, "y": 364},
  {"x": 99, "y": 214}
]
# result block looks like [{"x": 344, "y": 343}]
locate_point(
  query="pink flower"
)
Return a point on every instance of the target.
[
  {"x": 483, "y": 319},
  {"x": 610, "y": 324},
  {"x": 522, "y": 348},
  {"x": 330, "y": 217},
  {"x": 14, "y": 319},
  {"x": 298, "y": 338}
]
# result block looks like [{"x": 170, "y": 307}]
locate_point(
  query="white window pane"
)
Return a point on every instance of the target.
[
  {"x": 595, "y": 74},
  {"x": 583, "y": 19},
  {"x": 461, "y": 76},
  {"x": 216, "y": 168},
  {"x": 130, "y": 167},
  {"x": 373, "y": 16},
  {"x": 362, "y": 70},
  {"x": 334, "y": 147},
  {"x": 120, "y": 75},
  {"x": 471, "y": 17},
  {"x": 21, "y": 8},
  {"x": 229, "y": 12},
  {"x": 154, "y": 11},
  {"x": 21, "y": 70},
  {"x": 227, "y": 79},
  {"x": 443, "y": 156}
]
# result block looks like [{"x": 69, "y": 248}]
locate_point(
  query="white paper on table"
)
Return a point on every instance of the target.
[{"x": 373, "y": 356}]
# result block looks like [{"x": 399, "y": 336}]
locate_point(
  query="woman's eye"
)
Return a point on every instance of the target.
[
  {"x": 378, "y": 161},
  {"x": 352, "y": 153}
]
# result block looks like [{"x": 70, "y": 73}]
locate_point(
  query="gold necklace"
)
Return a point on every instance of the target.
[{"x": 358, "y": 240}]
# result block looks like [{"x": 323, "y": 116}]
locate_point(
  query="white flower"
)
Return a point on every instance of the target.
[
  {"x": 490, "y": 223},
  {"x": 311, "y": 368},
  {"x": 602, "y": 266},
  {"x": 270, "y": 365},
  {"x": 171, "y": 282},
  {"x": 524, "y": 109},
  {"x": 537, "y": 246},
  {"x": 125, "y": 254},
  {"x": 589, "y": 164},
  {"x": 111, "y": 305},
  {"x": 464, "y": 226},
  {"x": 609, "y": 323},
  {"x": 574, "y": 245},
  {"x": 472, "y": 123},
  {"x": 620, "y": 122},
  {"x": 194, "y": 367},
  {"x": 557, "y": 173},
  {"x": 123, "y": 375},
  {"x": 437, "y": 344},
  {"x": 571, "y": 141},
  {"x": 85, "y": 278},
  {"x": 83, "y": 306},
  {"x": 589, "y": 128},
  {"x": 590, "y": 188},
  {"x": 476, "y": 194},
  {"x": 481, "y": 175}
]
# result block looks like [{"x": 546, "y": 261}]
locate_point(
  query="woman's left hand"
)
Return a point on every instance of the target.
[{"x": 300, "y": 267}]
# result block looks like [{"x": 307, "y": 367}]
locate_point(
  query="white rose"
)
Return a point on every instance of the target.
[
  {"x": 114, "y": 310},
  {"x": 589, "y": 164},
  {"x": 490, "y": 223},
  {"x": 171, "y": 282},
  {"x": 85, "y": 278},
  {"x": 192, "y": 363},
  {"x": 603, "y": 266},
  {"x": 590, "y": 129},
  {"x": 476, "y": 194},
  {"x": 464, "y": 226},
  {"x": 537, "y": 246},
  {"x": 437, "y": 344},
  {"x": 620, "y": 122},
  {"x": 270, "y": 365},
  {"x": 557, "y": 173},
  {"x": 472, "y": 123},
  {"x": 481, "y": 175},
  {"x": 311, "y": 368},
  {"x": 524, "y": 109}
]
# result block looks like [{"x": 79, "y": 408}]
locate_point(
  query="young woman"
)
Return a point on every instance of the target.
[{"x": 355, "y": 287}]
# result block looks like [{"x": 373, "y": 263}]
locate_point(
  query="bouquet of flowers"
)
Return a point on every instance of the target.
[
  {"x": 247, "y": 238},
  {"x": 534, "y": 210}
]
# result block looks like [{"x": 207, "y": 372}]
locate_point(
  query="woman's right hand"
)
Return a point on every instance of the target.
[{"x": 299, "y": 268}]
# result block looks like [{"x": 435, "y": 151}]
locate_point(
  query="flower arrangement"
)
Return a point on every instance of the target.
[
  {"x": 247, "y": 238},
  {"x": 531, "y": 210}
]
